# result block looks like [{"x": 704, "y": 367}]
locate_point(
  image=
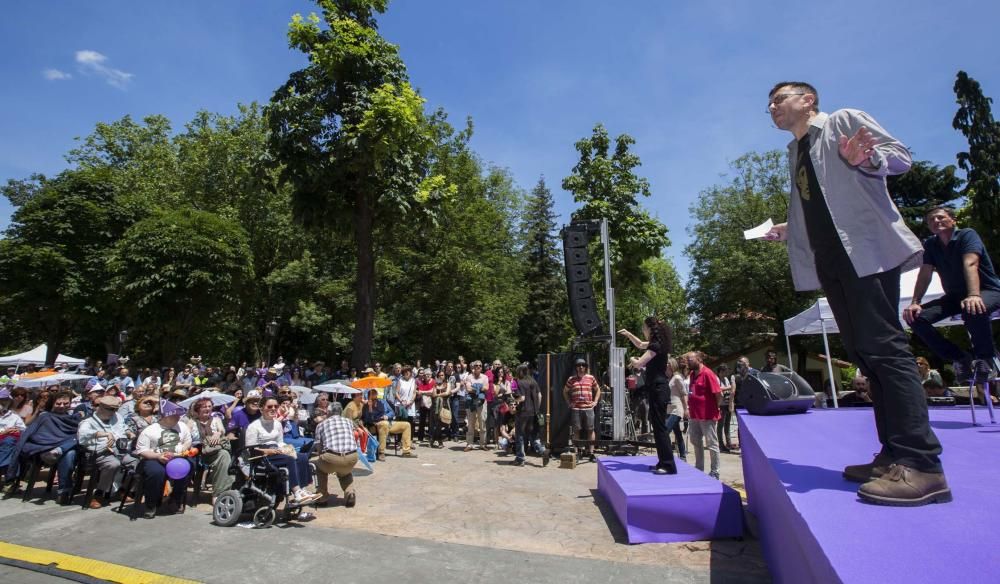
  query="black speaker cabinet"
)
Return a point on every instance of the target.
[{"x": 773, "y": 393}]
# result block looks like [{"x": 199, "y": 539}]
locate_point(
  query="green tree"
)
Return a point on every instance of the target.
[
  {"x": 923, "y": 187},
  {"x": 606, "y": 184},
  {"x": 176, "y": 269},
  {"x": 981, "y": 163},
  {"x": 662, "y": 295},
  {"x": 741, "y": 289},
  {"x": 353, "y": 139},
  {"x": 544, "y": 326},
  {"x": 54, "y": 257}
]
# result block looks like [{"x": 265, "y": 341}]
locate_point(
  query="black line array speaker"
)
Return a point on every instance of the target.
[
  {"x": 582, "y": 304},
  {"x": 553, "y": 371}
]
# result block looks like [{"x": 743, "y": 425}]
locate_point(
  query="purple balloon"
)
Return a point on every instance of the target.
[{"x": 178, "y": 468}]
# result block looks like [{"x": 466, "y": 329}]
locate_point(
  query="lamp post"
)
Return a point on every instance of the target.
[{"x": 272, "y": 332}]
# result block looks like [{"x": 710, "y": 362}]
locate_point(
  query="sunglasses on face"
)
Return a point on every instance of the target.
[{"x": 271, "y": 407}]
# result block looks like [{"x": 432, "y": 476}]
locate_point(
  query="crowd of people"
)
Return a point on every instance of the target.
[{"x": 121, "y": 422}]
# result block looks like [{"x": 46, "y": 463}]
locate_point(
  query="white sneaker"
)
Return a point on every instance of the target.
[{"x": 304, "y": 497}]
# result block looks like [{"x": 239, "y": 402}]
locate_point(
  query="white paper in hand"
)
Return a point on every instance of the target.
[{"x": 759, "y": 231}]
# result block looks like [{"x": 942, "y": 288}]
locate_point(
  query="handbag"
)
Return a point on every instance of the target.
[{"x": 445, "y": 415}]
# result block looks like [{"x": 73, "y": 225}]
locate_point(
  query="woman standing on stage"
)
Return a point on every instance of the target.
[{"x": 657, "y": 347}]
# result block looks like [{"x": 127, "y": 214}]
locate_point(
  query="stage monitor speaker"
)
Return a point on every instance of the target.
[
  {"x": 553, "y": 371},
  {"x": 774, "y": 393},
  {"x": 582, "y": 303}
]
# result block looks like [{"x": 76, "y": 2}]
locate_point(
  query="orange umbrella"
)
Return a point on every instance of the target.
[{"x": 371, "y": 383}]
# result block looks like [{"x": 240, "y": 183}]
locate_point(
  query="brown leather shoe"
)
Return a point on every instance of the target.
[
  {"x": 410, "y": 454},
  {"x": 95, "y": 503},
  {"x": 381, "y": 457},
  {"x": 903, "y": 486},
  {"x": 862, "y": 473}
]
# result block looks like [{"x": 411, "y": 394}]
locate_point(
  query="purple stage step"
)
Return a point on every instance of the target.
[
  {"x": 813, "y": 527},
  {"x": 688, "y": 506}
]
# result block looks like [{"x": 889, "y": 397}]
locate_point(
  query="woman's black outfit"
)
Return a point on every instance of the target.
[{"x": 657, "y": 388}]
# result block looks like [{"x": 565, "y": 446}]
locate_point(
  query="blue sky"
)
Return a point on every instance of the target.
[{"x": 688, "y": 80}]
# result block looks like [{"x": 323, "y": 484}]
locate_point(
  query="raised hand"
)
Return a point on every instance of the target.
[{"x": 858, "y": 148}]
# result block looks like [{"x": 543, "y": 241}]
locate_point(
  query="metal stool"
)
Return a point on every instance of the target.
[{"x": 987, "y": 388}]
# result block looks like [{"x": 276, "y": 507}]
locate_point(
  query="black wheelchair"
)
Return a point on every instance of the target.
[{"x": 259, "y": 490}]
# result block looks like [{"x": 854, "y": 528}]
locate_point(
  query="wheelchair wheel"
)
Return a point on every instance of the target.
[
  {"x": 264, "y": 517},
  {"x": 227, "y": 508}
]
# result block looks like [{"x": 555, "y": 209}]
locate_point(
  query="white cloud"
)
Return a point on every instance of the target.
[
  {"x": 93, "y": 63},
  {"x": 56, "y": 75}
]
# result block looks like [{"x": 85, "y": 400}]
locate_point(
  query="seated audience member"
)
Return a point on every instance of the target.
[
  {"x": 145, "y": 412},
  {"x": 862, "y": 393},
  {"x": 52, "y": 437},
  {"x": 99, "y": 435},
  {"x": 20, "y": 403},
  {"x": 338, "y": 453},
  {"x": 11, "y": 427},
  {"x": 319, "y": 412},
  {"x": 156, "y": 446},
  {"x": 42, "y": 403},
  {"x": 352, "y": 411},
  {"x": 210, "y": 433},
  {"x": 931, "y": 380},
  {"x": 266, "y": 436},
  {"x": 378, "y": 417},
  {"x": 250, "y": 413},
  {"x": 288, "y": 415},
  {"x": 86, "y": 405}
]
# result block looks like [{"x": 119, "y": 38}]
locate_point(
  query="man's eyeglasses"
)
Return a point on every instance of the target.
[{"x": 778, "y": 98}]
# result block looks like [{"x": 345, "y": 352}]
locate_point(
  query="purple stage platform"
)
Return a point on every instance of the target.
[
  {"x": 688, "y": 506},
  {"x": 814, "y": 528}
]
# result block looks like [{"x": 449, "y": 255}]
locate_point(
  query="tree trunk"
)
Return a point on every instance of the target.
[
  {"x": 54, "y": 341},
  {"x": 364, "y": 302}
]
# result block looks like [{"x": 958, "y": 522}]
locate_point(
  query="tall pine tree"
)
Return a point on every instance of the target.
[
  {"x": 544, "y": 326},
  {"x": 982, "y": 162}
]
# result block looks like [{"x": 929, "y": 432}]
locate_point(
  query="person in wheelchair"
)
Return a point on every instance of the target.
[{"x": 265, "y": 437}]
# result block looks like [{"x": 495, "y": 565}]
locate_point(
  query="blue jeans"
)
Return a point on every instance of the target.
[
  {"x": 455, "y": 406},
  {"x": 978, "y": 326},
  {"x": 525, "y": 429},
  {"x": 8, "y": 445},
  {"x": 299, "y": 474},
  {"x": 66, "y": 464},
  {"x": 674, "y": 425}
]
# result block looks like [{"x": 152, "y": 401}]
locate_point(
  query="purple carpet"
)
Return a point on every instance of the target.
[
  {"x": 688, "y": 506},
  {"x": 814, "y": 528}
]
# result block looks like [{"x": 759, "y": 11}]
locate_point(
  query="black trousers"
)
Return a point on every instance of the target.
[
  {"x": 867, "y": 313},
  {"x": 659, "y": 399},
  {"x": 978, "y": 325},
  {"x": 722, "y": 428}
]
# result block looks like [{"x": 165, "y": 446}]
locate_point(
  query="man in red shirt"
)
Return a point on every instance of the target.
[
  {"x": 582, "y": 392},
  {"x": 704, "y": 401}
]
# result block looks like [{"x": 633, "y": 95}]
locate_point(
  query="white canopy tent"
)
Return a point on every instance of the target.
[
  {"x": 36, "y": 356},
  {"x": 818, "y": 318}
]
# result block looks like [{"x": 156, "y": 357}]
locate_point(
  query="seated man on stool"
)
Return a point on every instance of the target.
[
  {"x": 338, "y": 453},
  {"x": 971, "y": 288},
  {"x": 378, "y": 416}
]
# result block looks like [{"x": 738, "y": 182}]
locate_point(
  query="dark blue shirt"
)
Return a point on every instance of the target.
[{"x": 947, "y": 260}]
